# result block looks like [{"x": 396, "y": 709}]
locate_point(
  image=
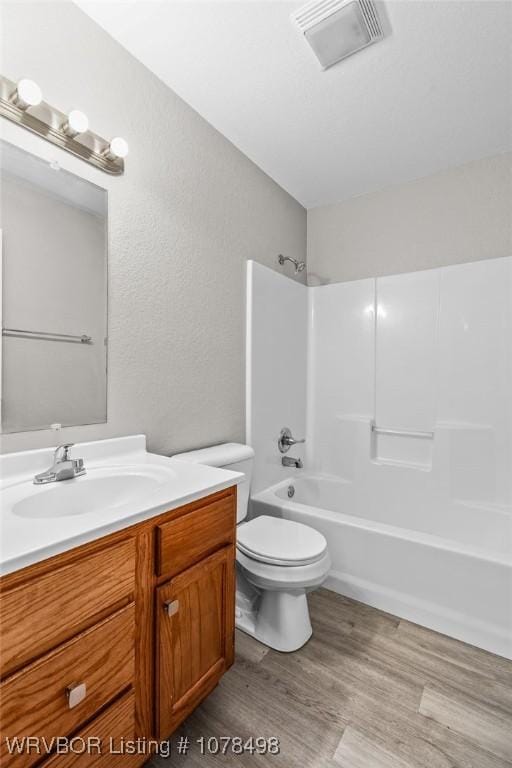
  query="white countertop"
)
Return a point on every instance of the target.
[{"x": 136, "y": 485}]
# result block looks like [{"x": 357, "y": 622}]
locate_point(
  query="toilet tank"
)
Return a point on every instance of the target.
[{"x": 234, "y": 456}]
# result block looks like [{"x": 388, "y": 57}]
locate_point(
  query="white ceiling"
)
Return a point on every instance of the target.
[{"x": 436, "y": 93}]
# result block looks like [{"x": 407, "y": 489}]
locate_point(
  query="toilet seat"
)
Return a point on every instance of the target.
[{"x": 280, "y": 542}]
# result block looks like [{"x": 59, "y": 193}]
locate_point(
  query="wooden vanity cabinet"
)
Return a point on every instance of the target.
[
  {"x": 195, "y": 625},
  {"x": 122, "y": 637}
]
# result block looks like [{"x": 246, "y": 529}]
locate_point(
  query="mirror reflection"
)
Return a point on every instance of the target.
[{"x": 54, "y": 295}]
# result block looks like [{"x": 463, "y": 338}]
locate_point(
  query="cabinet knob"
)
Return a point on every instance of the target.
[
  {"x": 75, "y": 694},
  {"x": 171, "y": 607}
]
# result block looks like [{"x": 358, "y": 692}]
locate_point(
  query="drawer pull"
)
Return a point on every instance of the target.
[
  {"x": 75, "y": 694},
  {"x": 171, "y": 607}
]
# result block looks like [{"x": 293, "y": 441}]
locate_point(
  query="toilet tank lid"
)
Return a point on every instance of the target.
[{"x": 218, "y": 455}]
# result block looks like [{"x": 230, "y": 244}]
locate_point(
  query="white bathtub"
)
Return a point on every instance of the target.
[{"x": 450, "y": 570}]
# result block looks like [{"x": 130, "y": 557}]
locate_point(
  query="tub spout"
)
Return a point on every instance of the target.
[{"x": 289, "y": 461}]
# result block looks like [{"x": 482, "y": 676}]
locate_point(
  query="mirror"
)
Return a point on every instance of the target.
[{"x": 54, "y": 295}]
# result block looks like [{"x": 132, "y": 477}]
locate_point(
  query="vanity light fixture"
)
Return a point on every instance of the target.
[
  {"x": 27, "y": 94},
  {"x": 68, "y": 131},
  {"x": 118, "y": 147},
  {"x": 76, "y": 123}
]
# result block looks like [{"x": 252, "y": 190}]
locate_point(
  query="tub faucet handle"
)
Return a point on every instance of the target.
[{"x": 286, "y": 440}]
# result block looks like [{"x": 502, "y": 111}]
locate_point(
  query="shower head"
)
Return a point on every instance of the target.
[{"x": 299, "y": 265}]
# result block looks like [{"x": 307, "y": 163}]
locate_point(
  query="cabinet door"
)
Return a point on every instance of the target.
[{"x": 195, "y": 636}]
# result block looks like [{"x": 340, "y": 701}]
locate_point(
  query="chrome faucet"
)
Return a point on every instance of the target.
[
  {"x": 289, "y": 461},
  {"x": 286, "y": 440},
  {"x": 63, "y": 467},
  {"x": 284, "y": 443}
]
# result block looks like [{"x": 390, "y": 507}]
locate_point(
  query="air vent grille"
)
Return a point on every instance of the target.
[
  {"x": 336, "y": 29},
  {"x": 371, "y": 18},
  {"x": 318, "y": 10},
  {"x": 315, "y": 11}
]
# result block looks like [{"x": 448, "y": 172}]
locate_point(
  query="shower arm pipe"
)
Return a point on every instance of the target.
[
  {"x": 401, "y": 432},
  {"x": 299, "y": 265}
]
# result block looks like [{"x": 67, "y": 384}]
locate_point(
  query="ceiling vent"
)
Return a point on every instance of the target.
[{"x": 336, "y": 29}]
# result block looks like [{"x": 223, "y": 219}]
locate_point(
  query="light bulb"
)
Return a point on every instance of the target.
[
  {"x": 118, "y": 148},
  {"x": 76, "y": 123},
  {"x": 27, "y": 94}
]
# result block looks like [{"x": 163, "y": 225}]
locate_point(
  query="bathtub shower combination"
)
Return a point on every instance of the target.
[{"x": 402, "y": 386}]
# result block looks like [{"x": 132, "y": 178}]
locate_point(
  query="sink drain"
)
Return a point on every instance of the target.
[{"x": 291, "y": 491}]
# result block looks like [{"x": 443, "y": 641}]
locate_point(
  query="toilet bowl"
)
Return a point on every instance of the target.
[{"x": 278, "y": 561}]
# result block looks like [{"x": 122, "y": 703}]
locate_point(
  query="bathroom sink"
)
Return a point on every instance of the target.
[
  {"x": 100, "y": 489},
  {"x": 123, "y": 485}
]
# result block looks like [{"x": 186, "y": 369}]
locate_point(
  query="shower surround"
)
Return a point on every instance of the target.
[{"x": 401, "y": 385}]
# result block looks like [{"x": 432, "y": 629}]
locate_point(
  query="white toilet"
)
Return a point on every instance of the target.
[{"x": 278, "y": 561}]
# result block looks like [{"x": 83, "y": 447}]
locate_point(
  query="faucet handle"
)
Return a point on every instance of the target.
[
  {"x": 286, "y": 440},
  {"x": 65, "y": 448}
]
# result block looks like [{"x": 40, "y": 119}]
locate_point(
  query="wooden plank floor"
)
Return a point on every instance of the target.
[{"x": 368, "y": 690}]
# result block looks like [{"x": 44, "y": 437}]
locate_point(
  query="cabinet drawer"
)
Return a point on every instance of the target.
[
  {"x": 114, "y": 725},
  {"x": 189, "y": 537},
  {"x": 48, "y": 609},
  {"x": 35, "y": 701}
]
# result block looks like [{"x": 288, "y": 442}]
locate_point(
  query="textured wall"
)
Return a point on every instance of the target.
[
  {"x": 187, "y": 214},
  {"x": 459, "y": 215}
]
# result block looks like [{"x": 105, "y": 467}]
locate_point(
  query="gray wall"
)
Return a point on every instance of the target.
[
  {"x": 459, "y": 215},
  {"x": 187, "y": 214}
]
